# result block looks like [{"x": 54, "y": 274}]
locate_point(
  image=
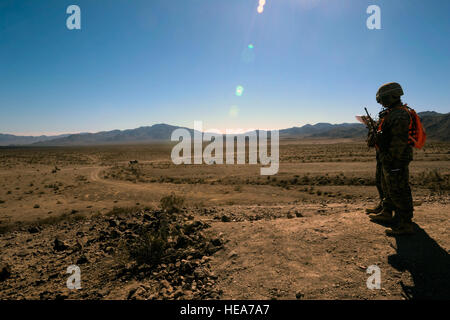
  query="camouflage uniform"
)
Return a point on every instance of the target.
[
  {"x": 395, "y": 154},
  {"x": 379, "y": 177},
  {"x": 378, "y": 174}
]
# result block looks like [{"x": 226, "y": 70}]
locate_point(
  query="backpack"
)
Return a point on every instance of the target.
[{"x": 417, "y": 134}]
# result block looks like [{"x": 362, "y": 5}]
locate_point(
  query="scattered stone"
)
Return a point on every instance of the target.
[
  {"x": 82, "y": 260},
  {"x": 112, "y": 223},
  {"x": 109, "y": 250},
  {"x": 183, "y": 264},
  {"x": 33, "y": 229},
  {"x": 115, "y": 234},
  {"x": 5, "y": 272},
  {"x": 59, "y": 245},
  {"x": 216, "y": 241},
  {"x": 132, "y": 291}
]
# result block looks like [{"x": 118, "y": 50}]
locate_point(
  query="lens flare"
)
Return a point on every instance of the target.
[
  {"x": 261, "y": 6},
  {"x": 234, "y": 111},
  {"x": 250, "y": 46},
  {"x": 239, "y": 90}
]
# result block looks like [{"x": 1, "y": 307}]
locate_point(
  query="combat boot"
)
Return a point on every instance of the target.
[
  {"x": 385, "y": 216},
  {"x": 376, "y": 209},
  {"x": 404, "y": 228}
]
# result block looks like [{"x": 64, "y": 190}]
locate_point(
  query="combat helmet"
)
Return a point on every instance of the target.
[{"x": 389, "y": 93}]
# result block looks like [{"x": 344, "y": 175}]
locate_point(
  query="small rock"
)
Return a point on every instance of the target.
[
  {"x": 132, "y": 291},
  {"x": 139, "y": 293},
  {"x": 109, "y": 250},
  {"x": 5, "y": 272},
  {"x": 216, "y": 241},
  {"x": 112, "y": 223},
  {"x": 225, "y": 218},
  {"x": 299, "y": 295},
  {"x": 199, "y": 273},
  {"x": 82, "y": 260},
  {"x": 33, "y": 229},
  {"x": 59, "y": 245},
  {"x": 115, "y": 234}
]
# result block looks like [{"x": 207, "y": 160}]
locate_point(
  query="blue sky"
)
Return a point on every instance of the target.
[{"x": 136, "y": 63}]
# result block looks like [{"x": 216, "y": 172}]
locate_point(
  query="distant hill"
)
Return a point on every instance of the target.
[
  {"x": 157, "y": 132},
  {"x": 9, "y": 139},
  {"x": 326, "y": 130},
  {"x": 437, "y": 126}
]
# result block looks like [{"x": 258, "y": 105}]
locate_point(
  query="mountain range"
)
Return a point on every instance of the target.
[
  {"x": 437, "y": 126},
  {"x": 10, "y": 139}
]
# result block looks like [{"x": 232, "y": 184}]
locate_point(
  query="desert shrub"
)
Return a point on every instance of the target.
[
  {"x": 147, "y": 249},
  {"x": 172, "y": 203},
  {"x": 150, "y": 243},
  {"x": 120, "y": 211},
  {"x": 433, "y": 180}
]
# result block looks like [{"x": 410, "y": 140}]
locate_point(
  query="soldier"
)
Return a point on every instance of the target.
[{"x": 395, "y": 154}]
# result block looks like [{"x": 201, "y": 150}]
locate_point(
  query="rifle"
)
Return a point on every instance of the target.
[{"x": 371, "y": 125}]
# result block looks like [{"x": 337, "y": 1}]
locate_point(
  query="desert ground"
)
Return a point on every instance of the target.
[{"x": 156, "y": 230}]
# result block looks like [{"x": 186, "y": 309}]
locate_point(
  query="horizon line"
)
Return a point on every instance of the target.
[{"x": 211, "y": 130}]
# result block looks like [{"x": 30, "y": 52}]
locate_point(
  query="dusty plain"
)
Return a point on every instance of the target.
[{"x": 300, "y": 234}]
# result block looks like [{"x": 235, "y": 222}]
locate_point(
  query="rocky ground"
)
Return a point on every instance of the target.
[
  {"x": 131, "y": 255},
  {"x": 296, "y": 251}
]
